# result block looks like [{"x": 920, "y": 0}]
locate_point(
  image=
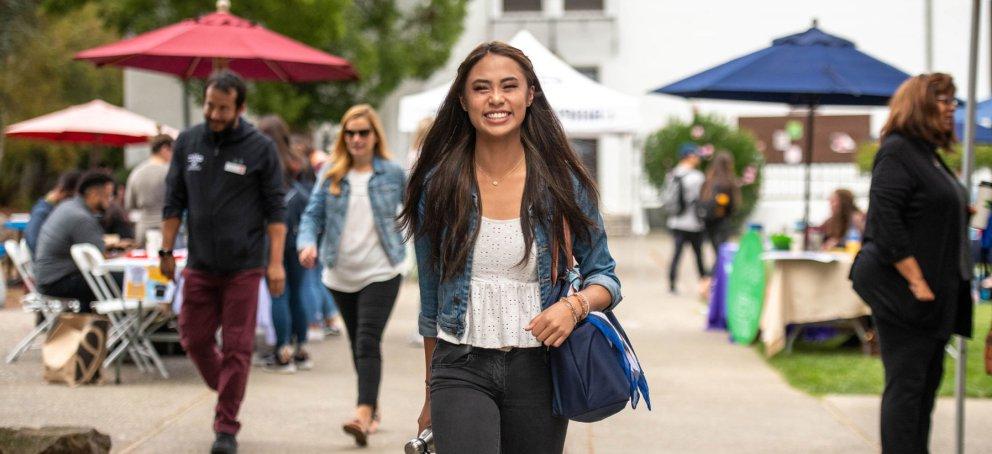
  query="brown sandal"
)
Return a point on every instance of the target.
[{"x": 355, "y": 429}]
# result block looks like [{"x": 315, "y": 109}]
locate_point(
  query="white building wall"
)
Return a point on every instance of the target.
[{"x": 156, "y": 96}]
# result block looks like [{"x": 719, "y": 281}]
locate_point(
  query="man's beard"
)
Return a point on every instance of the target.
[{"x": 227, "y": 125}]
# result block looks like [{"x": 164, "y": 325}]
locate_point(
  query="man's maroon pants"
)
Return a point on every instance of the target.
[{"x": 228, "y": 301}]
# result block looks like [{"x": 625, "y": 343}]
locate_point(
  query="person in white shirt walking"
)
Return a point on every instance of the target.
[
  {"x": 353, "y": 208},
  {"x": 685, "y": 225}
]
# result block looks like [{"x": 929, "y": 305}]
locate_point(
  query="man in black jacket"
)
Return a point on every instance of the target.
[{"x": 226, "y": 178}]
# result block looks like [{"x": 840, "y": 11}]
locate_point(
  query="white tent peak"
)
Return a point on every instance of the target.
[{"x": 584, "y": 106}]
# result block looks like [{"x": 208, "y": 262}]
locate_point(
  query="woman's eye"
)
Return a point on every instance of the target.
[{"x": 509, "y": 87}]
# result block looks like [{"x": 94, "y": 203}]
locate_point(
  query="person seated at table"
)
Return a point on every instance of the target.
[
  {"x": 64, "y": 189},
  {"x": 115, "y": 222},
  {"x": 844, "y": 215},
  {"x": 72, "y": 222}
]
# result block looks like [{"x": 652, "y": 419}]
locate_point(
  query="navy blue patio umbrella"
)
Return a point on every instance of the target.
[
  {"x": 811, "y": 69},
  {"x": 983, "y": 122}
]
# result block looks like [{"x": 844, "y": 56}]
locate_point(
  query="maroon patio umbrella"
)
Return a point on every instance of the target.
[{"x": 193, "y": 48}]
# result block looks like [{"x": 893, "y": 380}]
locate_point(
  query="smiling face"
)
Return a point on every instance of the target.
[
  {"x": 360, "y": 138},
  {"x": 496, "y": 97},
  {"x": 220, "y": 109}
]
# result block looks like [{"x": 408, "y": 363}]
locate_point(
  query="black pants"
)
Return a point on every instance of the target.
[
  {"x": 486, "y": 401},
  {"x": 72, "y": 286},
  {"x": 365, "y": 314},
  {"x": 914, "y": 366},
  {"x": 696, "y": 240},
  {"x": 717, "y": 233}
]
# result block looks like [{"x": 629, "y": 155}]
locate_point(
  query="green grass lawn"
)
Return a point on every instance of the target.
[{"x": 823, "y": 368}]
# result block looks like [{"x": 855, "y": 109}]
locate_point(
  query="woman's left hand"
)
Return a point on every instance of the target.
[{"x": 553, "y": 325}]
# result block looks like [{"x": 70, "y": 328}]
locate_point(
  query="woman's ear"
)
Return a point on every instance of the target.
[
  {"x": 530, "y": 95},
  {"x": 461, "y": 101}
]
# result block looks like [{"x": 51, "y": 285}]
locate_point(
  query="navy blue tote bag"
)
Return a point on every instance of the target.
[{"x": 595, "y": 372}]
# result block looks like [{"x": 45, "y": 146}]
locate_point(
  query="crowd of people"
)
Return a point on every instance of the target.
[{"x": 497, "y": 205}]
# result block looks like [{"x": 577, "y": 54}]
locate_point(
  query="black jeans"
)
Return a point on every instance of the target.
[
  {"x": 717, "y": 233},
  {"x": 74, "y": 286},
  {"x": 365, "y": 314},
  {"x": 696, "y": 240},
  {"x": 493, "y": 401},
  {"x": 914, "y": 366}
]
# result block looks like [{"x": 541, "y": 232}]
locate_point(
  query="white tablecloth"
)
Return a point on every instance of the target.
[{"x": 806, "y": 288}]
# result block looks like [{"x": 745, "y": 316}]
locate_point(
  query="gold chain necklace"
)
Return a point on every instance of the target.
[{"x": 495, "y": 181}]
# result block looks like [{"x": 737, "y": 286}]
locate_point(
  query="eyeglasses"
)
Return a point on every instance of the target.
[
  {"x": 947, "y": 101},
  {"x": 363, "y": 133}
]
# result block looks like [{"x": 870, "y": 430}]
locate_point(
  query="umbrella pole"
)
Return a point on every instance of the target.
[
  {"x": 185, "y": 106},
  {"x": 967, "y": 165},
  {"x": 808, "y": 161}
]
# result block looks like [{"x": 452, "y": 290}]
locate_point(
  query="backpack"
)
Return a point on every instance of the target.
[
  {"x": 716, "y": 207},
  {"x": 673, "y": 196}
]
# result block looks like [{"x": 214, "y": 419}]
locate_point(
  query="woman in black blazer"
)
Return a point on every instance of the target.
[{"x": 915, "y": 268}]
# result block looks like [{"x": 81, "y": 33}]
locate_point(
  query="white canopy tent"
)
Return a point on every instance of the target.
[{"x": 587, "y": 110}]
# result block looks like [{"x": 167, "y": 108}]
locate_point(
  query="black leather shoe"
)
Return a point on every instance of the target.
[{"x": 224, "y": 444}]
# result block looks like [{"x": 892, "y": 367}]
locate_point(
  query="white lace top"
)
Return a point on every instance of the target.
[{"x": 505, "y": 295}]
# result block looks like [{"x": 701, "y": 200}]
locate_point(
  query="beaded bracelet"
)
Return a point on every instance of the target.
[
  {"x": 575, "y": 316},
  {"x": 585, "y": 303}
]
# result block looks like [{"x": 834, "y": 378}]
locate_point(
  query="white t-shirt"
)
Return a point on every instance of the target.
[
  {"x": 692, "y": 184},
  {"x": 361, "y": 259}
]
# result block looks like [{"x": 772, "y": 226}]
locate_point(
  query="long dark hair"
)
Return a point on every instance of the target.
[
  {"x": 277, "y": 130},
  {"x": 838, "y": 223},
  {"x": 720, "y": 175},
  {"x": 444, "y": 175}
]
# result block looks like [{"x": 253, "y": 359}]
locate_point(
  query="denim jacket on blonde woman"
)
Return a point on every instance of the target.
[{"x": 325, "y": 213}]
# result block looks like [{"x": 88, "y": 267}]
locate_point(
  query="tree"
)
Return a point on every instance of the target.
[
  {"x": 38, "y": 77},
  {"x": 17, "y": 25},
  {"x": 385, "y": 42},
  {"x": 712, "y": 135}
]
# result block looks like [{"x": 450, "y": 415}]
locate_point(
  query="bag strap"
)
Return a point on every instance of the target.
[{"x": 568, "y": 253}]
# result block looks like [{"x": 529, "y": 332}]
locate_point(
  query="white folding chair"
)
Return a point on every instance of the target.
[
  {"x": 33, "y": 301},
  {"x": 129, "y": 319}
]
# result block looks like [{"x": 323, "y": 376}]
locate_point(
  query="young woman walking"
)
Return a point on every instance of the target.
[
  {"x": 353, "y": 209},
  {"x": 495, "y": 200}
]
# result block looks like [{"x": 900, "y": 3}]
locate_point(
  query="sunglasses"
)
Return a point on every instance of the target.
[{"x": 363, "y": 133}]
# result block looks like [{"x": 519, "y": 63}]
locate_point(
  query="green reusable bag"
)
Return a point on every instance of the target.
[{"x": 746, "y": 289}]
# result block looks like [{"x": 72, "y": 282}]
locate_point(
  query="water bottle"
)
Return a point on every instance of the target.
[
  {"x": 852, "y": 241},
  {"x": 423, "y": 444}
]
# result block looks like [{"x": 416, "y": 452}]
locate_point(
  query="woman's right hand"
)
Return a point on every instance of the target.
[
  {"x": 921, "y": 290},
  {"x": 424, "y": 421},
  {"x": 308, "y": 256}
]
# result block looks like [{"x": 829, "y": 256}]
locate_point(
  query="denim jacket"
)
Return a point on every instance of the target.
[
  {"x": 443, "y": 303},
  {"x": 325, "y": 213}
]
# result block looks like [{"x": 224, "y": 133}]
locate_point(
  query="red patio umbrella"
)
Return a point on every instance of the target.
[
  {"x": 193, "y": 48},
  {"x": 95, "y": 122}
]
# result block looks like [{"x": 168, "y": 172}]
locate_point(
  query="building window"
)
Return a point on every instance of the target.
[
  {"x": 511, "y": 6},
  {"x": 591, "y": 72},
  {"x": 583, "y": 5},
  {"x": 588, "y": 151}
]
